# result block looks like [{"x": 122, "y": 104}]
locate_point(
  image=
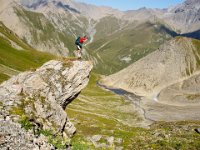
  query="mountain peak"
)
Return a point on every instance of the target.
[
  {"x": 192, "y": 4},
  {"x": 33, "y": 3},
  {"x": 188, "y": 2}
]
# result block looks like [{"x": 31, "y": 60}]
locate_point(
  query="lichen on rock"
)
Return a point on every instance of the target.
[{"x": 41, "y": 96}]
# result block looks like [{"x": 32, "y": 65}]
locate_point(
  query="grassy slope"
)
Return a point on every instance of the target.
[
  {"x": 124, "y": 40},
  {"x": 42, "y": 29},
  {"x": 3, "y": 77},
  {"x": 99, "y": 112},
  {"x": 196, "y": 43},
  {"x": 13, "y": 37},
  {"x": 20, "y": 60},
  {"x": 134, "y": 41},
  {"x": 106, "y": 26}
]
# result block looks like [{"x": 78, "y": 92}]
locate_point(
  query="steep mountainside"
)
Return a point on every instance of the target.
[
  {"x": 185, "y": 18},
  {"x": 127, "y": 45},
  {"x": 50, "y": 25},
  {"x": 53, "y": 25},
  {"x": 16, "y": 55},
  {"x": 185, "y": 92},
  {"x": 175, "y": 60},
  {"x": 117, "y": 39},
  {"x": 44, "y": 29}
]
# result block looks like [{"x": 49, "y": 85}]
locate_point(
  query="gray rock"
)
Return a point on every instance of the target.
[
  {"x": 110, "y": 140},
  {"x": 42, "y": 96},
  {"x": 197, "y": 130},
  {"x": 96, "y": 138},
  {"x": 13, "y": 137},
  {"x": 118, "y": 140}
]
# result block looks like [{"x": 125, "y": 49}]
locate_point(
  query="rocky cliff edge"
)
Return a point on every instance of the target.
[{"x": 37, "y": 100}]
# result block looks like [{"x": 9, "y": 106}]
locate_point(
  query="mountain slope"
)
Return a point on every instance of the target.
[
  {"x": 117, "y": 39},
  {"x": 174, "y": 61},
  {"x": 16, "y": 55},
  {"x": 184, "y": 17},
  {"x": 45, "y": 29},
  {"x": 185, "y": 92},
  {"x": 127, "y": 45}
]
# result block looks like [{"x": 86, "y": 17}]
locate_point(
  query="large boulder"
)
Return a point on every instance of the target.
[{"x": 41, "y": 96}]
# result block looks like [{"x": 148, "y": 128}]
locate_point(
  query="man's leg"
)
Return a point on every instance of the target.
[
  {"x": 80, "y": 51},
  {"x": 79, "y": 54},
  {"x": 78, "y": 47},
  {"x": 197, "y": 130}
]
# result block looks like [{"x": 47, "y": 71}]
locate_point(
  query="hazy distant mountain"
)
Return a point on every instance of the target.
[
  {"x": 87, "y": 10},
  {"x": 53, "y": 25},
  {"x": 46, "y": 25}
]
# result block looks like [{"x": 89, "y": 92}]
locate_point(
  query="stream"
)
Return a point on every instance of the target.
[
  {"x": 136, "y": 100},
  {"x": 152, "y": 109}
]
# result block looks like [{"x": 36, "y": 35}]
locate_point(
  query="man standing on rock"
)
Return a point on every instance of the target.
[{"x": 79, "y": 44}]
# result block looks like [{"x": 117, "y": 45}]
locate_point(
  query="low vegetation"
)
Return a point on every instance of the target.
[
  {"x": 21, "y": 59},
  {"x": 193, "y": 97},
  {"x": 97, "y": 112},
  {"x": 120, "y": 48},
  {"x": 56, "y": 140},
  {"x": 3, "y": 77}
]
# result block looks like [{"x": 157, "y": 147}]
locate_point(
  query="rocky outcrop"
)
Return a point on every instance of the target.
[
  {"x": 13, "y": 137},
  {"x": 40, "y": 97}
]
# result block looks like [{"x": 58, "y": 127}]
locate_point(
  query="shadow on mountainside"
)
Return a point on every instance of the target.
[
  {"x": 168, "y": 31},
  {"x": 194, "y": 34},
  {"x": 67, "y": 7}
]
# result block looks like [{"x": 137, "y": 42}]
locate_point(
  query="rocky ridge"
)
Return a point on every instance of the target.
[
  {"x": 38, "y": 99},
  {"x": 38, "y": 21},
  {"x": 175, "y": 60}
]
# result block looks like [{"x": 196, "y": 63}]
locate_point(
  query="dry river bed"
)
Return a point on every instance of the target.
[{"x": 152, "y": 111}]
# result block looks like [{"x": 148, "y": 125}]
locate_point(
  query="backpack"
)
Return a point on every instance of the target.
[{"x": 77, "y": 40}]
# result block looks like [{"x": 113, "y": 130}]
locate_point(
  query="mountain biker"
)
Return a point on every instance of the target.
[{"x": 79, "y": 44}]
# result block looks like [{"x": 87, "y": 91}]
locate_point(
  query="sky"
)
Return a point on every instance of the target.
[{"x": 133, "y": 4}]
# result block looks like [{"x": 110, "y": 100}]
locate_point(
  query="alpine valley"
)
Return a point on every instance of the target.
[{"x": 142, "y": 93}]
